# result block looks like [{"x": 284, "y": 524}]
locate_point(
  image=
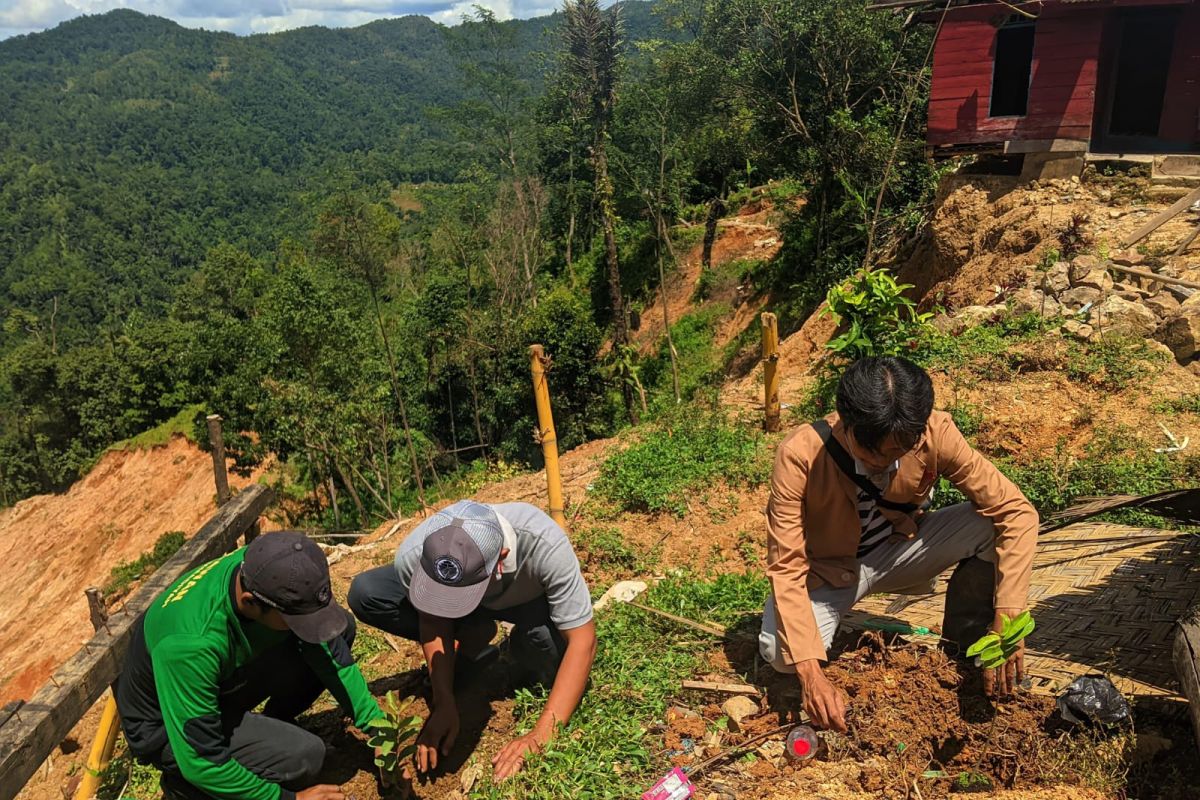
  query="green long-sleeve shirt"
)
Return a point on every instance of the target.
[{"x": 195, "y": 641}]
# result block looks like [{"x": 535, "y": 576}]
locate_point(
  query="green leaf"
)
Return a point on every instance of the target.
[{"x": 983, "y": 642}]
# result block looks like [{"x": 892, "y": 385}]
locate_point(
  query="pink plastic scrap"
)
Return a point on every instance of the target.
[{"x": 674, "y": 786}]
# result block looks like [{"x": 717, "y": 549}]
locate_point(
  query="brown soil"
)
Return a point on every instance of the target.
[
  {"x": 752, "y": 234},
  {"x": 979, "y": 245},
  {"x": 53, "y": 546},
  {"x": 911, "y": 712}
]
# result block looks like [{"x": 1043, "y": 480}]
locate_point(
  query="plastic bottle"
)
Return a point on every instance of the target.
[{"x": 801, "y": 744}]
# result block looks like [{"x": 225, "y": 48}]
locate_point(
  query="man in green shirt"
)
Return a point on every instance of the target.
[{"x": 257, "y": 625}]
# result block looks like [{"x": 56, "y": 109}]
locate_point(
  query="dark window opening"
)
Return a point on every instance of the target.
[{"x": 1011, "y": 68}]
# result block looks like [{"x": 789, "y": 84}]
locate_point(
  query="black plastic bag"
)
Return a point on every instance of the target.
[{"x": 1093, "y": 698}]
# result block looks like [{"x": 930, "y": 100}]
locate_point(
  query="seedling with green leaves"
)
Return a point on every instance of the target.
[
  {"x": 995, "y": 649},
  {"x": 394, "y": 736}
]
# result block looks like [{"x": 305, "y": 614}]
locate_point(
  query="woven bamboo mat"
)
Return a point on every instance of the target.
[{"x": 1105, "y": 597}]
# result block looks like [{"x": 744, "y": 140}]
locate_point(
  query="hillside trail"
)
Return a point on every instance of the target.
[{"x": 54, "y": 546}]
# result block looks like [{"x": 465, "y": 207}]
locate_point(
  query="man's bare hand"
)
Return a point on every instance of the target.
[
  {"x": 508, "y": 761},
  {"x": 323, "y": 792},
  {"x": 1003, "y": 681},
  {"x": 437, "y": 737},
  {"x": 824, "y": 703}
]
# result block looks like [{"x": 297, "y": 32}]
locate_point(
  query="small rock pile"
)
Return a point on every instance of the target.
[{"x": 1090, "y": 303}]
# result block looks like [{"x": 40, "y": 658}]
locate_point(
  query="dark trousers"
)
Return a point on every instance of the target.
[
  {"x": 268, "y": 744},
  {"x": 379, "y": 599}
]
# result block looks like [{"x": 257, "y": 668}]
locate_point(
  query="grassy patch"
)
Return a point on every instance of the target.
[
  {"x": 1115, "y": 462},
  {"x": 685, "y": 450},
  {"x": 1188, "y": 404},
  {"x": 182, "y": 424},
  {"x": 725, "y": 600},
  {"x": 1016, "y": 345},
  {"x": 602, "y": 547},
  {"x": 698, "y": 360},
  {"x": 368, "y": 643},
  {"x": 126, "y": 779},
  {"x": 125, "y": 573},
  {"x": 606, "y": 751}
]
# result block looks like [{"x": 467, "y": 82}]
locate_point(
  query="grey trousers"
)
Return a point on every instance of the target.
[{"x": 944, "y": 538}]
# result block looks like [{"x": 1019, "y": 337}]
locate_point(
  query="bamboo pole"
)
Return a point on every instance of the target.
[
  {"x": 549, "y": 439},
  {"x": 770, "y": 358},
  {"x": 217, "y": 440},
  {"x": 102, "y": 750}
]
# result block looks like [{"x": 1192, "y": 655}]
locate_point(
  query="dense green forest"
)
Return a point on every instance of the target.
[{"x": 345, "y": 240}]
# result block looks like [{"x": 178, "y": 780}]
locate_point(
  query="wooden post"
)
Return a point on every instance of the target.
[
  {"x": 1186, "y": 655},
  {"x": 549, "y": 439},
  {"x": 217, "y": 440},
  {"x": 770, "y": 359},
  {"x": 96, "y": 608},
  {"x": 110, "y": 722}
]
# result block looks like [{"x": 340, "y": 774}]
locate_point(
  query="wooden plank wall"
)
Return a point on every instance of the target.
[
  {"x": 1180, "y": 121},
  {"x": 1062, "y": 87},
  {"x": 28, "y": 737}
]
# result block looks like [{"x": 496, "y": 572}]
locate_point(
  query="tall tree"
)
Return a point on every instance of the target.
[{"x": 592, "y": 62}]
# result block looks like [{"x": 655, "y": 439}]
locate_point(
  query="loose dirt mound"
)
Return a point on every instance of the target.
[
  {"x": 916, "y": 718},
  {"x": 53, "y": 546}
]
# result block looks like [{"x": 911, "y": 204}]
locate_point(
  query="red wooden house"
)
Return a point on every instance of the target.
[{"x": 1101, "y": 76}]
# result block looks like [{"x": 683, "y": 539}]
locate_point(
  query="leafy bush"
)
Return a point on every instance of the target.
[
  {"x": 682, "y": 452},
  {"x": 881, "y": 320},
  {"x": 125, "y": 573},
  {"x": 1115, "y": 462}
]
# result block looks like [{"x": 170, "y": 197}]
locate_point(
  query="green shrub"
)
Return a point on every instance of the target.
[
  {"x": 125, "y": 573},
  {"x": 604, "y": 547},
  {"x": 685, "y": 450},
  {"x": 1115, "y": 462},
  {"x": 878, "y": 319}
]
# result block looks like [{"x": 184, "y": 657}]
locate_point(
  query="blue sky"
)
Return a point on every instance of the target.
[{"x": 257, "y": 16}]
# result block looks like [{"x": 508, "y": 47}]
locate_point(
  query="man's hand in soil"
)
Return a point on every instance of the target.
[
  {"x": 508, "y": 762},
  {"x": 824, "y": 703},
  {"x": 1005, "y": 679},
  {"x": 322, "y": 792},
  {"x": 437, "y": 737}
]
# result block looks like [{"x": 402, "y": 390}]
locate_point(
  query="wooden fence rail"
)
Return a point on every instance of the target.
[{"x": 38, "y": 726}]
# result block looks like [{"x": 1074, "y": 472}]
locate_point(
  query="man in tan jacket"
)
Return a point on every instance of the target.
[{"x": 837, "y": 532}]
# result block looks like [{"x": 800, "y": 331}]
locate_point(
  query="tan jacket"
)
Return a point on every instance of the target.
[{"x": 813, "y": 526}]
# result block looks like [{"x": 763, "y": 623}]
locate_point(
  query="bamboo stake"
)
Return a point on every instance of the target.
[
  {"x": 770, "y": 358},
  {"x": 549, "y": 439},
  {"x": 220, "y": 475},
  {"x": 102, "y": 750}
]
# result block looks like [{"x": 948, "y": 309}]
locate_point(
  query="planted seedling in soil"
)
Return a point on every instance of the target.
[
  {"x": 995, "y": 649},
  {"x": 394, "y": 737}
]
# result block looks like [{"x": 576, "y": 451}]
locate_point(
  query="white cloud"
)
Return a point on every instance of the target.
[{"x": 259, "y": 16}]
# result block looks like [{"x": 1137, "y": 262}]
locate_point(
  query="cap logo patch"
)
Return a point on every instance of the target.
[
  {"x": 448, "y": 570},
  {"x": 323, "y": 595}
]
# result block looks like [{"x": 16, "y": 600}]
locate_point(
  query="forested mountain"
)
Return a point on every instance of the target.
[
  {"x": 130, "y": 145},
  {"x": 345, "y": 240}
]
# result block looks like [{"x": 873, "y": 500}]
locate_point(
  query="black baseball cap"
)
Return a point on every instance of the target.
[{"x": 288, "y": 572}]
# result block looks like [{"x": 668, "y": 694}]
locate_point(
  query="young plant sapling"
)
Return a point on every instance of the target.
[
  {"x": 995, "y": 649},
  {"x": 394, "y": 737}
]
